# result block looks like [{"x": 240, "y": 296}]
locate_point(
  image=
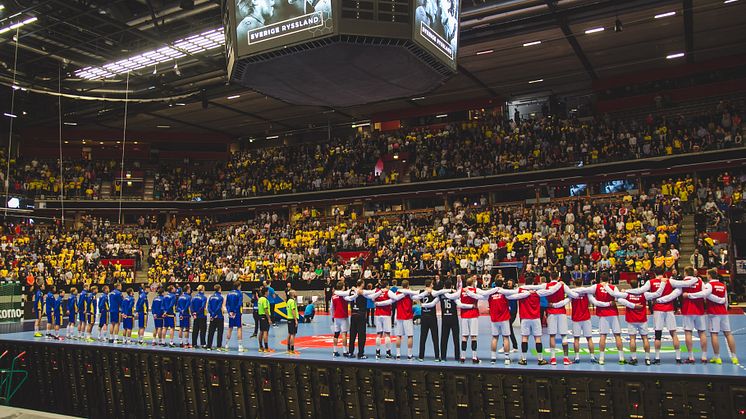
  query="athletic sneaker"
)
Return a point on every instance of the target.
[
  {"x": 601, "y": 362},
  {"x": 362, "y": 357},
  {"x": 388, "y": 355},
  {"x": 507, "y": 361},
  {"x": 378, "y": 354},
  {"x": 622, "y": 362},
  {"x": 734, "y": 360},
  {"x": 553, "y": 361},
  {"x": 717, "y": 361},
  {"x": 656, "y": 362},
  {"x": 514, "y": 350},
  {"x": 501, "y": 350},
  {"x": 475, "y": 360},
  {"x": 38, "y": 335},
  {"x": 566, "y": 361},
  {"x": 296, "y": 352},
  {"x": 594, "y": 360},
  {"x": 335, "y": 354},
  {"x": 493, "y": 361},
  {"x": 462, "y": 360},
  {"x": 647, "y": 361},
  {"x": 576, "y": 361},
  {"x": 678, "y": 361},
  {"x": 269, "y": 350},
  {"x": 421, "y": 359},
  {"x": 542, "y": 362},
  {"x": 522, "y": 362},
  {"x": 410, "y": 357},
  {"x": 398, "y": 357},
  {"x": 633, "y": 361},
  {"x": 689, "y": 361},
  {"x": 222, "y": 349}
]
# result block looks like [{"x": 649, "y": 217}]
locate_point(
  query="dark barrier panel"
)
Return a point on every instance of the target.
[{"x": 130, "y": 383}]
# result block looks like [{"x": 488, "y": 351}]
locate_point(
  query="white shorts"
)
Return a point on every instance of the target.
[
  {"x": 469, "y": 327},
  {"x": 341, "y": 325},
  {"x": 719, "y": 323},
  {"x": 608, "y": 324},
  {"x": 665, "y": 319},
  {"x": 404, "y": 328},
  {"x": 635, "y": 329},
  {"x": 695, "y": 322},
  {"x": 557, "y": 324},
  {"x": 530, "y": 327},
  {"x": 583, "y": 329},
  {"x": 383, "y": 324},
  {"x": 501, "y": 328}
]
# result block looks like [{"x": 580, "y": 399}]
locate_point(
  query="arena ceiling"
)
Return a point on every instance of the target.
[{"x": 70, "y": 35}]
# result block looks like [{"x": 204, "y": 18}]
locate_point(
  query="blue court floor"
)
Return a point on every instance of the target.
[{"x": 314, "y": 341}]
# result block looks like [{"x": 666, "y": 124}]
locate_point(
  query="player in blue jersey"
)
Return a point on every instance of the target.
[
  {"x": 115, "y": 303},
  {"x": 82, "y": 298},
  {"x": 103, "y": 313},
  {"x": 169, "y": 314},
  {"x": 128, "y": 316},
  {"x": 198, "y": 308},
  {"x": 182, "y": 308},
  {"x": 58, "y": 308},
  {"x": 141, "y": 312},
  {"x": 233, "y": 305},
  {"x": 215, "y": 306},
  {"x": 90, "y": 312},
  {"x": 157, "y": 310},
  {"x": 71, "y": 308},
  {"x": 38, "y": 310},
  {"x": 49, "y": 310}
]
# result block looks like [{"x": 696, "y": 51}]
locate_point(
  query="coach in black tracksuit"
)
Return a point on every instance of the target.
[
  {"x": 428, "y": 321},
  {"x": 359, "y": 309},
  {"x": 449, "y": 320}
]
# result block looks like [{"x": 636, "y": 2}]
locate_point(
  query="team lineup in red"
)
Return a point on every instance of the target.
[{"x": 704, "y": 309}]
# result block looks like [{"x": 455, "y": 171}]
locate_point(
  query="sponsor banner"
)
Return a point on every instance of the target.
[{"x": 279, "y": 29}]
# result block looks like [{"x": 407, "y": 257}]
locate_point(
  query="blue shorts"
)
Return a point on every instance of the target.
[
  {"x": 184, "y": 322},
  {"x": 38, "y": 314},
  {"x": 81, "y": 316},
  {"x": 168, "y": 322},
  {"x": 127, "y": 323},
  {"x": 114, "y": 316},
  {"x": 49, "y": 318},
  {"x": 71, "y": 317},
  {"x": 90, "y": 318},
  {"x": 58, "y": 320},
  {"x": 158, "y": 322},
  {"x": 141, "y": 319},
  {"x": 235, "y": 321},
  {"x": 103, "y": 319}
]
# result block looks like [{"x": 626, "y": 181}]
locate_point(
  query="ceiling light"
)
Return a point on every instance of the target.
[
  {"x": 418, "y": 98},
  {"x": 662, "y": 15},
  {"x": 233, "y": 97},
  {"x": 361, "y": 124},
  {"x": 594, "y": 30},
  {"x": 487, "y": 51},
  {"x": 162, "y": 126},
  {"x": 676, "y": 55},
  {"x": 100, "y": 143},
  {"x": 83, "y": 141},
  {"x": 135, "y": 142},
  {"x": 10, "y": 115},
  {"x": 528, "y": 44},
  {"x": 17, "y": 24},
  {"x": 155, "y": 69},
  {"x": 72, "y": 124},
  {"x": 2, "y": 6},
  {"x": 251, "y": 140},
  {"x": 119, "y": 142},
  {"x": 205, "y": 41},
  {"x": 273, "y": 137},
  {"x": 730, "y": 1},
  {"x": 180, "y": 104},
  {"x": 396, "y": 156},
  {"x": 536, "y": 81},
  {"x": 67, "y": 142},
  {"x": 443, "y": 115}
]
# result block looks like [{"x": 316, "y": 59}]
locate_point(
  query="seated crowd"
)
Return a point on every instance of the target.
[{"x": 489, "y": 146}]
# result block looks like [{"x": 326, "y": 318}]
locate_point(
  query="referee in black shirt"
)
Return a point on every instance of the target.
[
  {"x": 359, "y": 309},
  {"x": 428, "y": 322}
]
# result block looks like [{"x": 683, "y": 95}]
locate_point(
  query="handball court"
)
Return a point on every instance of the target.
[{"x": 314, "y": 341}]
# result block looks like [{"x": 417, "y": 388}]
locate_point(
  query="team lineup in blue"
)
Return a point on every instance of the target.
[{"x": 180, "y": 319}]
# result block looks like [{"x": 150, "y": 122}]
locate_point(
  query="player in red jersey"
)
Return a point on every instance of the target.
[
  {"x": 499, "y": 316},
  {"x": 382, "y": 319},
  {"x": 608, "y": 317},
  {"x": 716, "y": 294},
  {"x": 469, "y": 320},
  {"x": 693, "y": 312},
  {"x": 529, "y": 309},
  {"x": 636, "y": 317},
  {"x": 340, "y": 317},
  {"x": 403, "y": 299}
]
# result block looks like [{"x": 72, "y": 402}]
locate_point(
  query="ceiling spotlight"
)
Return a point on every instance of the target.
[
  {"x": 618, "y": 27},
  {"x": 155, "y": 69},
  {"x": 593, "y": 30},
  {"x": 662, "y": 15},
  {"x": 176, "y": 69},
  {"x": 676, "y": 55}
]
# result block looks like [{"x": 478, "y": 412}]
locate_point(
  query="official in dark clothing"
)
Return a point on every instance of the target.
[
  {"x": 428, "y": 321},
  {"x": 358, "y": 312},
  {"x": 449, "y": 321}
]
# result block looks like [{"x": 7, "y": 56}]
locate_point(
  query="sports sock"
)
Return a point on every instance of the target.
[
  {"x": 474, "y": 349},
  {"x": 398, "y": 351},
  {"x": 621, "y": 355},
  {"x": 409, "y": 352},
  {"x": 540, "y": 351},
  {"x": 387, "y": 343},
  {"x": 493, "y": 354},
  {"x": 657, "y": 353},
  {"x": 552, "y": 352},
  {"x": 678, "y": 353},
  {"x": 378, "y": 343},
  {"x": 524, "y": 349},
  {"x": 602, "y": 356},
  {"x": 691, "y": 355}
]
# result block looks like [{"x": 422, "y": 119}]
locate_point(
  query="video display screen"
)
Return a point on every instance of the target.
[
  {"x": 617, "y": 186},
  {"x": 266, "y": 24},
  {"x": 579, "y": 189},
  {"x": 436, "y": 27}
]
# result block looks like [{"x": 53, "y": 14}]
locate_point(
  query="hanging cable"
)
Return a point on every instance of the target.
[
  {"x": 62, "y": 179},
  {"x": 10, "y": 129},
  {"x": 124, "y": 142}
]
